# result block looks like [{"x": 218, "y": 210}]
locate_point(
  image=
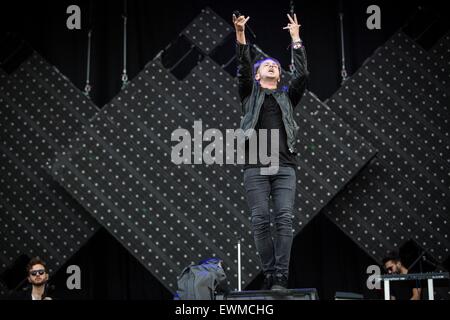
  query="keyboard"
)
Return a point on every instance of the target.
[{"x": 415, "y": 276}]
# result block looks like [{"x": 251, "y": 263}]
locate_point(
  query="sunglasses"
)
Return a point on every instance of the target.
[{"x": 36, "y": 272}]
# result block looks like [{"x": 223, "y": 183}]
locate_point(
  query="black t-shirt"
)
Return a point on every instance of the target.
[
  {"x": 270, "y": 117},
  {"x": 403, "y": 290}
]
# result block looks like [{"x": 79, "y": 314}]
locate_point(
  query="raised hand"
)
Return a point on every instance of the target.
[
  {"x": 293, "y": 27},
  {"x": 239, "y": 23}
]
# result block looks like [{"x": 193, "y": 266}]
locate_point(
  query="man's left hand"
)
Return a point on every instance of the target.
[{"x": 294, "y": 28}]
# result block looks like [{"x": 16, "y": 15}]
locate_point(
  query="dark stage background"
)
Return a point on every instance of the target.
[
  {"x": 153, "y": 25},
  {"x": 322, "y": 256}
]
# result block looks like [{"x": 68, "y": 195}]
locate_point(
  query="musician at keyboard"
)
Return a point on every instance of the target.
[{"x": 401, "y": 290}]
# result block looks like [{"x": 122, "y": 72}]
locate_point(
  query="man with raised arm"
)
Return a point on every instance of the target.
[{"x": 266, "y": 106}]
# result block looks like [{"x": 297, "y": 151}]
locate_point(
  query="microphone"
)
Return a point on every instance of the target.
[{"x": 237, "y": 14}]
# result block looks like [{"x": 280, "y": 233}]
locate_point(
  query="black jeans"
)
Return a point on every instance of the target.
[{"x": 274, "y": 253}]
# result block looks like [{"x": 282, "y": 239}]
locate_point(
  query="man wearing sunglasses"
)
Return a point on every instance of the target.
[{"x": 37, "y": 276}]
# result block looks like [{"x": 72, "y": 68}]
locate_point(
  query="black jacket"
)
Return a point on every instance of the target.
[
  {"x": 252, "y": 97},
  {"x": 25, "y": 293}
]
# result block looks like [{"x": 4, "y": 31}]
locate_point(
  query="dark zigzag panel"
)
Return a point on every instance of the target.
[
  {"x": 207, "y": 30},
  {"x": 396, "y": 103},
  {"x": 40, "y": 112},
  {"x": 440, "y": 53}
]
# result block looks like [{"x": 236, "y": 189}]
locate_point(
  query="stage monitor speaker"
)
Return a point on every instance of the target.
[
  {"x": 288, "y": 294},
  {"x": 348, "y": 296}
]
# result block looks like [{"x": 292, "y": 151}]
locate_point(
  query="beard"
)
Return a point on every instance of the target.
[{"x": 39, "y": 284}]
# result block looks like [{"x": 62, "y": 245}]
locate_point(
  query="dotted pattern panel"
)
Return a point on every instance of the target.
[
  {"x": 413, "y": 72},
  {"x": 3, "y": 290},
  {"x": 394, "y": 102},
  {"x": 207, "y": 30},
  {"x": 40, "y": 110},
  {"x": 168, "y": 216},
  {"x": 360, "y": 212},
  {"x": 427, "y": 64},
  {"x": 441, "y": 52},
  {"x": 398, "y": 125}
]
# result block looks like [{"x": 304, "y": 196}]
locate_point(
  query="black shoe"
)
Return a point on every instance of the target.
[
  {"x": 280, "y": 282},
  {"x": 268, "y": 282}
]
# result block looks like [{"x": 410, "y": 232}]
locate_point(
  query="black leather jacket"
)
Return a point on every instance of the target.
[{"x": 252, "y": 97}]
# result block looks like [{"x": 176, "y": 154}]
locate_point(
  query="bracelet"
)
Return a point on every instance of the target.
[{"x": 297, "y": 44}]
